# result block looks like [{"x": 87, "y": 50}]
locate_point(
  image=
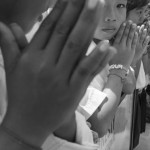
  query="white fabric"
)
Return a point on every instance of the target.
[
  {"x": 91, "y": 101},
  {"x": 84, "y": 138},
  {"x": 141, "y": 80}
]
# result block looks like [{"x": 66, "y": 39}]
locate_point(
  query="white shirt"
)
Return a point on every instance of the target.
[
  {"x": 141, "y": 80},
  {"x": 84, "y": 138}
]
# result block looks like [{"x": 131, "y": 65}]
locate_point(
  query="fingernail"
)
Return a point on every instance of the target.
[
  {"x": 92, "y": 4},
  {"x": 148, "y": 38},
  {"x": 124, "y": 24},
  {"x": 145, "y": 31},
  {"x": 134, "y": 26},
  {"x": 143, "y": 26},
  {"x": 105, "y": 42},
  {"x": 130, "y": 22}
]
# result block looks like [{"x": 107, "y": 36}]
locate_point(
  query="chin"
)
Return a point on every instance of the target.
[
  {"x": 104, "y": 36},
  {"x": 107, "y": 37}
]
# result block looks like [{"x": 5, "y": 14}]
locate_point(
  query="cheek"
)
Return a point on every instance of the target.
[
  {"x": 121, "y": 16},
  {"x": 98, "y": 34},
  {"x": 142, "y": 17},
  {"x": 120, "y": 19},
  {"x": 134, "y": 17},
  {"x": 135, "y": 20}
]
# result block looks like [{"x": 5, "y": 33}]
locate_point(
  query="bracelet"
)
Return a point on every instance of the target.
[
  {"x": 18, "y": 139},
  {"x": 119, "y": 66}
]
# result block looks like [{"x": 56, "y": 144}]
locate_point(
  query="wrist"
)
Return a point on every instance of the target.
[
  {"x": 21, "y": 131},
  {"x": 115, "y": 77},
  {"x": 119, "y": 70},
  {"x": 8, "y": 142}
]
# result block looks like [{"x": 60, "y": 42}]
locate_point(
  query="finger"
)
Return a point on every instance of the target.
[
  {"x": 9, "y": 47},
  {"x": 63, "y": 28},
  {"x": 89, "y": 124},
  {"x": 43, "y": 34},
  {"x": 141, "y": 32},
  {"x": 143, "y": 36},
  {"x": 93, "y": 64},
  {"x": 126, "y": 32},
  {"x": 138, "y": 29},
  {"x": 19, "y": 36},
  {"x": 120, "y": 33},
  {"x": 148, "y": 27},
  {"x": 131, "y": 35},
  {"x": 134, "y": 41},
  {"x": 146, "y": 41},
  {"x": 112, "y": 52},
  {"x": 79, "y": 39}
]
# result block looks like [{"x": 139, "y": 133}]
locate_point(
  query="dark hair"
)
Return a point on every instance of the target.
[{"x": 136, "y": 4}]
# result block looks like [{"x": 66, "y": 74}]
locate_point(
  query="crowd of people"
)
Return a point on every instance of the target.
[{"x": 62, "y": 87}]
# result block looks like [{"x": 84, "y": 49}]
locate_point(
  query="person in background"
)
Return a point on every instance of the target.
[
  {"x": 107, "y": 87},
  {"x": 136, "y": 13}
]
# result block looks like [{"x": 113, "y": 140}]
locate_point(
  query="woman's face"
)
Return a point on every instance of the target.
[
  {"x": 114, "y": 15},
  {"x": 137, "y": 15}
]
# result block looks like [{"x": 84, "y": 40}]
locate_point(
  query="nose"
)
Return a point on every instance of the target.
[
  {"x": 110, "y": 19},
  {"x": 110, "y": 15}
]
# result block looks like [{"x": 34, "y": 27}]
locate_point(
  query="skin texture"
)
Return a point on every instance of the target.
[
  {"x": 137, "y": 15},
  {"x": 43, "y": 96},
  {"x": 25, "y": 13},
  {"x": 114, "y": 16}
]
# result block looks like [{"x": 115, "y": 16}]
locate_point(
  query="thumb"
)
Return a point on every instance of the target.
[{"x": 9, "y": 47}]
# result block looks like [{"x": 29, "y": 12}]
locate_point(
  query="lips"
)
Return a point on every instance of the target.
[{"x": 109, "y": 30}]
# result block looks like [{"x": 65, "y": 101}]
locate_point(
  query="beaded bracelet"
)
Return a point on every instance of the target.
[
  {"x": 18, "y": 139},
  {"x": 119, "y": 70},
  {"x": 118, "y": 66}
]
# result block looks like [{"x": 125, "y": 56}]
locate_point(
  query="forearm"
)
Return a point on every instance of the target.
[
  {"x": 113, "y": 91},
  {"x": 136, "y": 68},
  {"x": 130, "y": 83},
  {"x": 102, "y": 118}
]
